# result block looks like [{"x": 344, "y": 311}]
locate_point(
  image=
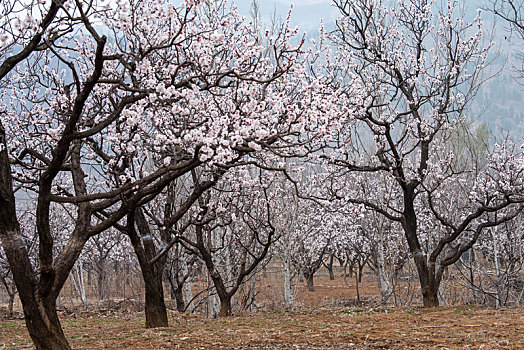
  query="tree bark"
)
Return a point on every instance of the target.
[
  {"x": 329, "y": 267},
  {"x": 155, "y": 307},
  {"x": 187, "y": 286},
  {"x": 309, "y": 281},
  {"x": 101, "y": 278},
  {"x": 44, "y": 326},
  {"x": 39, "y": 311},
  {"x": 10, "y": 288},
  {"x": 225, "y": 306},
  {"x": 179, "y": 297},
  {"x": 360, "y": 268},
  {"x": 288, "y": 285},
  {"x": 385, "y": 287},
  {"x": 429, "y": 282},
  {"x": 10, "y": 311}
]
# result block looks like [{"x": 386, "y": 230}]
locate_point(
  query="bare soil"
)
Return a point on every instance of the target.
[
  {"x": 325, "y": 319},
  {"x": 323, "y": 328}
]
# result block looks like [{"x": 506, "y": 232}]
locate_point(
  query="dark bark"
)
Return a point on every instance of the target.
[
  {"x": 39, "y": 296},
  {"x": 351, "y": 267},
  {"x": 45, "y": 329},
  {"x": 39, "y": 311},
  {"x": 225, "y": 306},
  {"x": 101, "y": 279},
  {"x": 357, "y": 280},
  {"x": 155, "y": 307},
  {"x": 177, "y": 287},
  {"x": 10, "y": 308},
  {"x": 176, "y": 284},
  {"x": 360, "y": 270},
  {"x": 309, "y": 281},
  {"x": 179, "y": 297},
  {"x": 429, "y": 281},
  {"x": 329, "y": 267},
  {"x": 10, "y": 288}
]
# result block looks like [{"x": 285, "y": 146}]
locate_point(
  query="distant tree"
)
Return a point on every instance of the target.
[
  {"x": 237, "y": 239},
  {"x": 511, "y": 12}
]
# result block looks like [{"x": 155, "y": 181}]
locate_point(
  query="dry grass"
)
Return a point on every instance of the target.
[{"x": 325, "y": 319}]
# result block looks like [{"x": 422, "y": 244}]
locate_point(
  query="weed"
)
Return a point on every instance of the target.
[
  {"x": 357, "y": 312},
  {"x": 8, "y": 325}
]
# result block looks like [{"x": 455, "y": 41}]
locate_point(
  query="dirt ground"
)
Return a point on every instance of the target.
[
  {"x": 324, "y": 328},
  {"x": 325, "y": 319}
]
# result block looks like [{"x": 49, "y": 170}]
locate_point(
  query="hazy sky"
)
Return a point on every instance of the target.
[{"x": 307, "y": 14}]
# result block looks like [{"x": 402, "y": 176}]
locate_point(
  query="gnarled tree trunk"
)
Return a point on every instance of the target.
[
  {"x": 39, "y": 310},
  {"x": 155, "y": 307},
  {"x": 429, "y": 283}
]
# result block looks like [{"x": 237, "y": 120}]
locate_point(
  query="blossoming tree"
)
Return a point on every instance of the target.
[
  {"x": 115, "y": 102},
  {"x": 407, "y": 73}
]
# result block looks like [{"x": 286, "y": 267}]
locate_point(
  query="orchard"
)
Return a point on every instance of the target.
[{"x": 177, "y": 150}]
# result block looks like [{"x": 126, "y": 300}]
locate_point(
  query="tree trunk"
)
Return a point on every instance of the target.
[
  {"x": 213, "y": 303},
  {"x": 44, "y": 327},
  {"x": 155, "y": 307},
  {"x": 427, "y": 278},
  {"x": 77, "y": 277},
  {"x": 223, "y": 296},
  {"x": 187, "y": 286},
  {"x": 101, "y": 278},
  {"x": 288, "y": 284},
  {"x": 329, "y": 267},
  {"x": 472, "y": 274},
  {"x": 11, "y": 305},
  {"x": 172, "y": 275},
  {"x": 385, "y": 287},
  {"x": 253, "y": 295},
  {"x": 498, "y": 275},
  {"x": 225, "y": 307},
  {"x": 40, "y": 313},
  {"x": 309, "y": 280},
  {"x": 357, "y": 280},
  {"x": 179, "y": 297},
  {"x": 351, "y": 266},
  {"x": 360, "y": 268},
  {"x": 43, "y": 324},
  {"x": 428, "y": 281},
  {"x": 430, "y": 298},
  {"x": 10, "y": 288}
]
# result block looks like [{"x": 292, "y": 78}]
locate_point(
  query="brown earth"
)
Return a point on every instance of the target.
[
  {"x": 323, "y": 328},
  {"x": 325, "y": 319}
]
